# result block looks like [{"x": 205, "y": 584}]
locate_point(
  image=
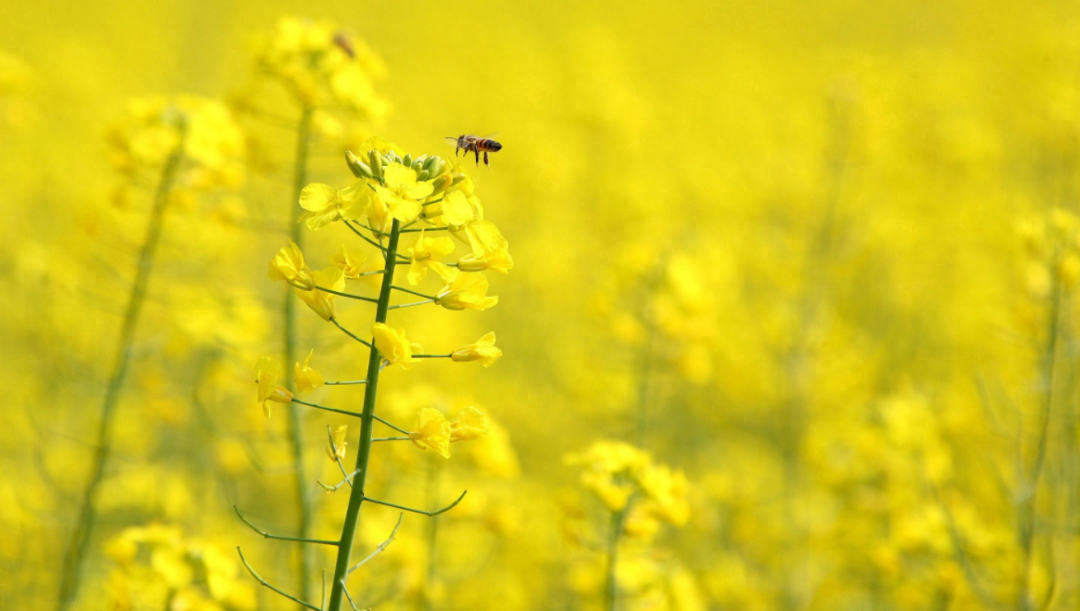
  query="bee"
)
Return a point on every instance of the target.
[{"x": 474, "y": 144}]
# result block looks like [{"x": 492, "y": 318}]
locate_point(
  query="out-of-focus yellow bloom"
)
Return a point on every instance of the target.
[
  {"x": 322, "y": 65},
  {"x": 349, "y": 261},
  {"x": 468, "y": 424},
  {"x": 667, "y": 491},
  {"x": 153, "y": 128},
  {"x": 498, "y": 260},
  {"x": 467, "y": 291},
  {"x": 402, "y": 193},
  {"x": 337, "y": 449},
  {"x": 483, "y": 350},
  {"x": 425, "y": 254},
  {"x": 288, "y": 265},
  {"x": 306, "y": 377},
  {"x": 394, "y": 346},
  {"x": 432, "y": 432},
  {"x": 267, "y": 372},
  {"x": 325, "y": 204},
  {"x": 320, "y": 301}
]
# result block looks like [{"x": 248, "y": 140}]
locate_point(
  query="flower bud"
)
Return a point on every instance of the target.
[
  {"x": 407, "y": 161},
  {"x": 357, "y": 167},
  {"x": 376, "y": 164}
]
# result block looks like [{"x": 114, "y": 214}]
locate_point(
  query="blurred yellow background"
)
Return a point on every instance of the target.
[{"x": 819, "y": 257}]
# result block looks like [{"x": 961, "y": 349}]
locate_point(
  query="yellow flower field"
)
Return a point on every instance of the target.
[{"x": 580, "y": 306}]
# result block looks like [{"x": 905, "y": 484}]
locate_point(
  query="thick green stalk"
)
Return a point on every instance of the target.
[
  {"x": 611, "y": 588},
  {"x": 71, "y": 573},
  {"x": 303, "y": 492},
  {"x": 367, "y": 423}
]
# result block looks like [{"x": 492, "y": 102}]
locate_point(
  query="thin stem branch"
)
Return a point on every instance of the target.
[
  {"x": 391, "y": 425},
  {"x": 611, "y": 589},
  {"x": 419, "y": 511},
  {"x": 263, "y": 582},
  {"x": 412, "y": 292},
  {"x": 267, "y": 535},
  {"x": 346, "y": 383},
  {"x": 328, "y": 409},
  {"x": 352, "y": 335},
  {"x": 409, "y": 305},
  {"x": 433, "y": 356},
  {"x": 349, "y": 295},
  {"x": 380, "y": 547},
  {"x": 390, "y": 438},
  {"x": 71, "y": 571}
]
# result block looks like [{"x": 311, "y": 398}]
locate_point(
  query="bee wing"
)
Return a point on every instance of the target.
[{"x": 451, "y": 141}]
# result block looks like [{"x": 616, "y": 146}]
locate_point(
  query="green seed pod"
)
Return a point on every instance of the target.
[{"x": 357, "y": 167}]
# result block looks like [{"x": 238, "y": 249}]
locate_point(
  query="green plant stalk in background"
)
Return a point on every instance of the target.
[
  {"x": 611, "y": 585},
  {"x": 367, "y": 422},
  {"x": 304, "y": 500},
  {"x": 71, "y": 572}
]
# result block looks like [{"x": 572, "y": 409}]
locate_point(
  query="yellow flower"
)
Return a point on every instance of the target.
[
  {"x": 306, "y": 377},
  {"x": 425, "y": 254},
  {"x": 267, "y": 371},
  {"x": 485, "y": 238},
  {"x": 337, "y": 449},
  {"x": 483, "y": 350},
  {"x": 432, "y": 432},
  {"x": 468, "y": 424},
  {"x": 322, "y": 302},
  {"x": 349, "y": 261},
  {"x": 394, "y": 346},
  {"x": 402, "y": 193},
  {"x": 467, "y": 291},
  {"x": 325, "y": 204},
  {"x": 288, "y": 265},
  {"x": 498, "y": 260}
]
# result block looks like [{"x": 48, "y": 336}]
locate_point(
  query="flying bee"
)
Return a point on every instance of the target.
[{"x": 474, "y": 144}]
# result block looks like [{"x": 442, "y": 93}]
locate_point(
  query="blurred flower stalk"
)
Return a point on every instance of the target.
[{"x": 195, "y": 146}]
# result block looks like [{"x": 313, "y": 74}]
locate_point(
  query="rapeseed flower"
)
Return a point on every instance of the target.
[
  {"x": 483, "y": 350},
  {"x": 466, "y": 291},
  {"x": 425, "y": 255},
  {"x": 306, "y": 377},
  {"x": 288, "y": 265},
  {"x": 432, "y": 432},
  {"x": 267, "y": 372},
  {"x": 402, "y": 193},
  {"x": 321, "y": 301},
  {"x": 394, "y": 346}
]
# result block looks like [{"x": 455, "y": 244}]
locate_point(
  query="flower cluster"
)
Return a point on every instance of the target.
[
  {"x": 624, "y": 477},
  {"x": 158, "y": 567},
  {"x": 322, "y": 65},
  {"x": 211, "y": 142}
]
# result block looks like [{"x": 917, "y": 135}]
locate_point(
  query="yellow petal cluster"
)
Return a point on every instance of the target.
[
  {"x": 394, "y": 346},
  {"x": 483, "y": 350},
  {"x": 425, "y": 255},
  {"x": 288, "y": 265},
  {"x": 336, "y": 449},
  {"x": 435, "y": 432},
  {"x": 267, "y": 372},
  {"x": 306, "y": 377},
  {"x": 321, "y": 301},
  {"x": 467, "y": 291}
]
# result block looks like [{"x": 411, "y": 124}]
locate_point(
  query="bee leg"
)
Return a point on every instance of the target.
[
  {"x": 486, "y": 158},
  {"x": 477, "y": 151}
]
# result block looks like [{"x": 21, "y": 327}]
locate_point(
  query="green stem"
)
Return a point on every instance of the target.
[
  {"x": 1027, "y": 508},
  {"x": 367, "y": 423},
  {"x": 304, "y": 501},
  {"x": 71, "y": 573},
  {"x": 611, "y": 589}
]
